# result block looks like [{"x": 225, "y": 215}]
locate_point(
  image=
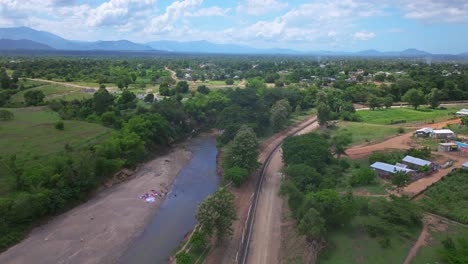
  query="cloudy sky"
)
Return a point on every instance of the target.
[{"x": 345, "y": 25}]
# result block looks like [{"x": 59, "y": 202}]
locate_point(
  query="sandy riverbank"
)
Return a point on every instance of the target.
[{"x": 100, "y": 230}]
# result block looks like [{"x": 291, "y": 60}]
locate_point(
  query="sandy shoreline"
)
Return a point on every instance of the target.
[{"x": 100, "y": 230}]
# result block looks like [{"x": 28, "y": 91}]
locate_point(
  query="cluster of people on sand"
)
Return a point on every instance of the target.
[{"x": 151, "y": 196}]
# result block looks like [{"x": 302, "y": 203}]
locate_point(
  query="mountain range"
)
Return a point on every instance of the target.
[{"x": 25, "y": 38}]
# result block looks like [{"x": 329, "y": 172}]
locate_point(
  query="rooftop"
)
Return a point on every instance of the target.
[
  {"x": 388, "y": 167},
  {"x": 442, "y": 131},
  {"x": 416, "y": 161}
]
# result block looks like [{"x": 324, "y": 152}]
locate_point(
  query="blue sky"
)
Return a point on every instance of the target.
[{"x": 439, "y": 26}]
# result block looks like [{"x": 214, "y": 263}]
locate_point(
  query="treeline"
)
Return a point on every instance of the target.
[
  {"x": 312, "y": 176},
  {"x": 139, "y": 128}
]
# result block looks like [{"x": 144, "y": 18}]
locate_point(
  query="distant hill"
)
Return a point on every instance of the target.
[
  {"x": 203, "y": 46},
  {"x": 52, "y": 41},
  {"x": 22, "y": 44}
]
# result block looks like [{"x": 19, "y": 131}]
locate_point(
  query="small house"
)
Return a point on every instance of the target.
[
  {"x": 384, "y": 170},
  {"x": 442, "y": 133},
  {"x": 423, "y": 132},
  {"x": 462, "y": 112},
  {"x": 416, "y": 163},
  {"x": 447, "y": 147}
]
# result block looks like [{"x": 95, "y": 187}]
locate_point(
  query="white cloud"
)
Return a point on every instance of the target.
[
  {"x": 434, "y": 11},
  {"x": 260, "y": 7},
  {"x": 208, "y": 12},
  {"x": 174, "y": 12},
  {"x": 364, "y": 35},
  {"x": 117, "y": 12}
]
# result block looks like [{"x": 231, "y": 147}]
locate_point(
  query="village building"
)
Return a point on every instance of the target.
[
  {"x": 385, "y": 170},
  {"x": 416, "y": 163},
  {"x": 423, "y": 132},
  {"x": 442, "y": 133},
  {"x": 462, "y": 112},
  {"x": 447, "y": 147}
]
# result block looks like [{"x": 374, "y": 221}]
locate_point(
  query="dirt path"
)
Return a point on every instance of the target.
[
  {"x": 228, "y": 251},
  {"x": 423, "y": 237},
  {"x": 110, "y": 89},
  {"x": 266, "y": 235},
  {"x": 398, "y": 142},
  {"x": 173, "y": 73},
  {"x": 100, "y": 230}
]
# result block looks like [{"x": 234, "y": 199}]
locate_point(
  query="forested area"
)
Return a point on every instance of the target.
[{"x": 313, "y": 175}]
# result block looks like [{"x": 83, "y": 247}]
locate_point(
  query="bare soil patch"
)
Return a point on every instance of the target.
[{"x": 100, "y": 230}]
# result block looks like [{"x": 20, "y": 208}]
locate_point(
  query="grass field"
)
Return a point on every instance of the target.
[
  {"x": 365, "y": 133},
  {"x": 448, "y": 197},
  {"x": 428, "y": 254},
  {"x": 32, "y": 136},
  {"x": 354, "y": 245},
  {"x": 51, "y": 91},
  {"x": 385, "y": 116}
]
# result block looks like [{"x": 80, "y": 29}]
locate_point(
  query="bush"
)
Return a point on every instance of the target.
[
  {"x": 59, "y": 125},
  {"x": 183, "y": 258},
  {"x": 236, "y": 174},
  {"x": 6, "y": 115},
  {"x": 363, "y": 176},
  {"x": 229, "y": 81},
  {"x": 198, "y": 240},
  {"x": 400, "y": 130},
  {"x": 33, "y": 98}
]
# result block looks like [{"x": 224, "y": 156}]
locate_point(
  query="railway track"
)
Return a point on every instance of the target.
[{"x": 243, "y": 251}]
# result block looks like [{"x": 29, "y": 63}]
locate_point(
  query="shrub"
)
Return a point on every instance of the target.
[
  {"x": 400, "y": 130},
  {"x": 198, "y": 240},
  {"x": 363, "y": 176},
  {"x": 237, "y": 175},
  {"x": 6, "y": 115},
  {"x": 59, "y": 125},
  {"x": 183, "y": 258}
]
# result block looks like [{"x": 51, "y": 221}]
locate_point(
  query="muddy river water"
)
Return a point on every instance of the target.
[{"x": 176, "y": 216}]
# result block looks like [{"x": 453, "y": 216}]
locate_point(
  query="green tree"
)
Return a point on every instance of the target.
[
  {"x": 182, "y": 87},
  {"x": 149, "y": 98},
  {"x": 34, "y": 97},
  {"x": 387, "y": 101},
  {"x": 243, "y": 150},
  {"x": 198, "y": 240},
  {"x": 311, "y": 149},
  {"x": 362, "y": 177},
  {"x": 229, "y": 81},
  {"x": 304, "y": 177},
  {"x": 203, "y": 89},
  {"x": 102, "y": 101},
  {"x": 312, "y": 225},
  {"x": 279, "y": 114},
  {"x": 183, "y": 257},
  {"x": 323, "y": 113},
  {"x": 400, "y": 179},
  {"x": 433, "y": 98},
  {"x": 6, "y": 115},
  {"x": 414, "y": 97},
  {"x": 373, "y": 101},
  {"x": 236, "y": 174},
  {"x": 5, "y": 80},
  {"x": 217, "y": 213},
  {"x": 340, "y": 142}
]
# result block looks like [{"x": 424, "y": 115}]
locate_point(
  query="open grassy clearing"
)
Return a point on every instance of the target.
[
  {"x": 425, "y": 115},
  {"x": 354, "y": 245},
  {"x": 51, "y": 91},
  {"x": 33, "y": 137},
  {"x": 365, "y": 133},
  {"x": 428, "y": 254}
]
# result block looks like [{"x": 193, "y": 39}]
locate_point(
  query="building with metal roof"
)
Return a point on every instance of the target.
[
  {"x": 416, "y": 162},
  {"x": 385, "y": 169}
]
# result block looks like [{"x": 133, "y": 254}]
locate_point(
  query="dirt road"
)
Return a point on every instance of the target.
[
  {"x": 266, "y": 238},
  {"x": 399, "y": 142},
  {"x": 100, "y": 230},
  {"x": 110, "y": 89},
  {"x": 228, "y": 252}
]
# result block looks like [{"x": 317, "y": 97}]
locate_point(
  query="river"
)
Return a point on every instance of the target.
[{"x": 176, "y": 216}]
